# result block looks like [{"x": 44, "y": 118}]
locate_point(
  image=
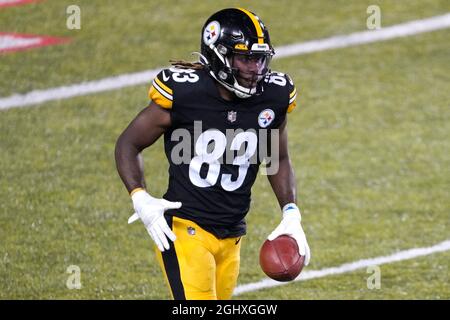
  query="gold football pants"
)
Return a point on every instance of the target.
[{"x": 199, "y": 266}]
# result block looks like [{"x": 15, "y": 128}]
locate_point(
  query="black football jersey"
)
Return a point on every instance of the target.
[{"x": 214, "y": 145}]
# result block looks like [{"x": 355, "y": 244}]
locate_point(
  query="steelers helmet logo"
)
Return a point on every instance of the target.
[
  {"x": 266, "y": 117},
  {"x": 211, "y": 33}
]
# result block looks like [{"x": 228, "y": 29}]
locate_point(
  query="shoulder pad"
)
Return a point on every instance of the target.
[
  {"x": 161, "y": 90},
  {"x": 167, "y": 81},
  {"x": 286, "y": 85},
  {"x": 292, "y": 94}
]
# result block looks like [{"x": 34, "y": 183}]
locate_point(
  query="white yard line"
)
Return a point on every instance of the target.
[
  {"x": 347, "y": 267},
  {"x": 17, "y": 42},
  {"x": 80, "y": 89},
  {"x": 357, "y": 38},
  {"x": 132, "y": 79}
]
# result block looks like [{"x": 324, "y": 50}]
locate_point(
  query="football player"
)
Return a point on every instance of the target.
[{"x": 198, "y": 224}]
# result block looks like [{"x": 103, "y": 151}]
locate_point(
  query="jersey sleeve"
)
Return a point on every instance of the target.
[
  {"x": 292, "y": 94},
  {"x": 161, "y": 90}
]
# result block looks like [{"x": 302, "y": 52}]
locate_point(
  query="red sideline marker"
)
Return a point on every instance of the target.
[
  {"x": 11, "y": 41},
  {"x": 10, "y": 3}
]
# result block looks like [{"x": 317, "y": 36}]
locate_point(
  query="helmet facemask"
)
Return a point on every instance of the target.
[
  {"x": 249, "y": 69},
  {"x": 234, "y": 78}
]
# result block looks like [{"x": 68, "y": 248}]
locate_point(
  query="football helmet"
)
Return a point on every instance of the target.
[{"x": 230, "y": 32}]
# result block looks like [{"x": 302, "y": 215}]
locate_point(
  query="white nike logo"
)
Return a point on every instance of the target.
[{"x": 165, "y": 78}]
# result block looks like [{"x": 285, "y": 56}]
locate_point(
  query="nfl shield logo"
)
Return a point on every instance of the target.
[{"x": 231, "y": 116}]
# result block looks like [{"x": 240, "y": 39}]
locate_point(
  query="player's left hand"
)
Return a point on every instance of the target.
[{"x": 290, "y": 225}]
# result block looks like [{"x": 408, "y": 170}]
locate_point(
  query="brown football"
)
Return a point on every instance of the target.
[{"x": 280, "y": 259}]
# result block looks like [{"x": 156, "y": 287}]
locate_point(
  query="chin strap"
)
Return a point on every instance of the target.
[
  {"x": 201, "y": 58},
  {"x": 237, "y": 89}
]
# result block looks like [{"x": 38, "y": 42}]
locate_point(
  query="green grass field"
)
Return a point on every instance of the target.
[{"x": 369, "y": 142}]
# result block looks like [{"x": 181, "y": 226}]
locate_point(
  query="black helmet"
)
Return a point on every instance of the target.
[{"x": 234, "y": 31}]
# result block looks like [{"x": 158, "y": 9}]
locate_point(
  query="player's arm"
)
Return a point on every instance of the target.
[
  {"x": 283, "y": 182},
  {"x": 284, "y": 186},
  {"x": 141, "y": 133},
  {"x": 144, "y": 130}
]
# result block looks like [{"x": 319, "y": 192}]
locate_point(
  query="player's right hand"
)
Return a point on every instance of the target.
[{"x": 151, "y": 212}]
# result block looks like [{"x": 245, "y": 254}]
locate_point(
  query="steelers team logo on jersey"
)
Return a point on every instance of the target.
[
  {"x": 266, "y": 117},
  {"x": 211, "y": 33}
]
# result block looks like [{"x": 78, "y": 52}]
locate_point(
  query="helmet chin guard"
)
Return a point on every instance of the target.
[{"x": 240, "y": 91}]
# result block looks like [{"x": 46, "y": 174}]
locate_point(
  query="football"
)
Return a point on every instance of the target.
[{"x": 280, "y": 259}]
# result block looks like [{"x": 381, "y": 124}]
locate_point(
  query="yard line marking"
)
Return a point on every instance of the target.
[
  {"x": 347, "y": 267},
  {"x": 12, "y": 41},
  {"x": 363, "y": 37},
  {"x": 132, "y": 79},
  {"x": 9, "y": 3},
  {"x": 81, "y": 89}
]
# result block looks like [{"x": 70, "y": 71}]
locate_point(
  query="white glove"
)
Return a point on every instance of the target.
[
  {"x": 151, "y": 211},
  {"x": 290, "y": 225}
]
